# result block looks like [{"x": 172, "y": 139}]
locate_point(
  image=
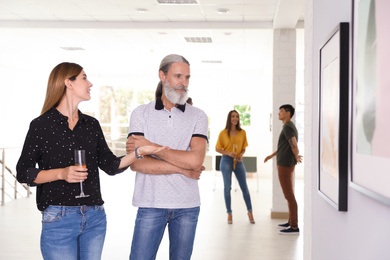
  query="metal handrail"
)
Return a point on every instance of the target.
[
  {"x": 3, "y": 178},
  {"x": 15, "y": 185}
]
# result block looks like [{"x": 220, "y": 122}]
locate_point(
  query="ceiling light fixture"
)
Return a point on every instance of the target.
[
  {"x": 222, "y": 11},
  {"x": 212, "y": 61},
  {"x": 141, "y": 10},
  {"x": 73, "y": 48},
  {"x": 199, "y": 39},
  {"x": 177, "y": 2}
]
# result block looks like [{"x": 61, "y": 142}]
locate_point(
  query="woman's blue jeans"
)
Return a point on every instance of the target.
[
  {"x": 149, "y": 230},
  {"x": 73, "y": 232},
  {"x": 226, "y": 166}
]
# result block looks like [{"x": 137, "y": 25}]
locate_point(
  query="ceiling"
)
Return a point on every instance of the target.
[{"x": 136, "y": 34}]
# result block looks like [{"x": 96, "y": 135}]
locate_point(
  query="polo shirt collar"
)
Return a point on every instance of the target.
[{"x": 159, "y": 105}]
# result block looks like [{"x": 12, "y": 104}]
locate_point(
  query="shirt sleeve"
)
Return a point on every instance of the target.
[
  {"x": 108, "y": 161},
  {"x": 137, "y": 121},
  {"x": 288, "y": 132},
  {"x": 245, "y": 141},
  {"x": 26, "y": 170},
  {"x": 201, "y": 128},
  {"x": 221, "y": 141}
]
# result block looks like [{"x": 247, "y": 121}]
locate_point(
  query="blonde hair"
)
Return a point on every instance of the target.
[{"x": 56, "y": 84}]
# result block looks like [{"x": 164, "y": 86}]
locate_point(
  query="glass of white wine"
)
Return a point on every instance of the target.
[
  {"x": 235, "y": 148},
  {"x": 79, "y": 160}
]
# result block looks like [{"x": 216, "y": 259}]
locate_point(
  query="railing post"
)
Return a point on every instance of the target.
[
  {"x": 15, "y": 189},
  {"x": 3, "y": 178}
]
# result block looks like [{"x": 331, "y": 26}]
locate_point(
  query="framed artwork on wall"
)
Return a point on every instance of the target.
[
  {"x": 370, "y": 147},
  {"x": 334, "y": 118}
]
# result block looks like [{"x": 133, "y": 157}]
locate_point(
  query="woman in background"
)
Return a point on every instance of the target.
[{"x": 231, "y": 144}]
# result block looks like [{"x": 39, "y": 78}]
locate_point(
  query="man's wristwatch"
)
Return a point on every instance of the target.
[{"x": 138, "y": 156}]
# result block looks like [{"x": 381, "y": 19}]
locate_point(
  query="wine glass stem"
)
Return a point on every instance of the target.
[{"x": 81, "y": 187}]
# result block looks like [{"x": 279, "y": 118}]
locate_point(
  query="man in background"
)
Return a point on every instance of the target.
[{"x": 287, "y": 156}]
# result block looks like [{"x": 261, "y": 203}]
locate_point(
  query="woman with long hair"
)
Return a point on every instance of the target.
[
  {"x": 73, "y": 226},
  {"x": 231, "y": 144}
]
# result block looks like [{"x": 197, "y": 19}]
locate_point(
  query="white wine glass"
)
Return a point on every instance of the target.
[
  {"x": 79, "y": 160},
  {"x": 235, "y": 148}
]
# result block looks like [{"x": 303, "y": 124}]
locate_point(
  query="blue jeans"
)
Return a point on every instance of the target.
[
  {"x": 73, "y": 232},
  {"x": 226, "y": 166},
  {"x": 149, "y": 230}
]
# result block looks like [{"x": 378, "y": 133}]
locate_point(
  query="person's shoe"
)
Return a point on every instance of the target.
[
  {"x": 230, "y": 218},
  {"x": 250, "y": 216},
  {"x": 289, "y": 231},
  {"x": 285, "y": 225}
]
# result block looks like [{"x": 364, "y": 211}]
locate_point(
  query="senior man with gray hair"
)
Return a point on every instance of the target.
[{"x": 166, "y": 188}]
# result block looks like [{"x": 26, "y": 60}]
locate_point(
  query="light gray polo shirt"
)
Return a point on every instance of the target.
[{"x": 175, "y": 129}]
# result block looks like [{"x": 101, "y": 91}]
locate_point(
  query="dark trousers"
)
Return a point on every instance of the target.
[{"x": 286, "y": 181}]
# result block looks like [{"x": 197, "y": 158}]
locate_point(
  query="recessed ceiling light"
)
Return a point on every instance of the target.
[
  {"x": 177, "y": 2},
  {"x": 212, "y": 61},
  {"x": 73, "y": 48},
  {"x": 222, "y": 10},
  {"x": 141, "y": 10}
]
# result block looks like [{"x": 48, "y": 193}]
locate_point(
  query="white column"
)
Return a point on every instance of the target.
[{"x": 284, "y": 84}]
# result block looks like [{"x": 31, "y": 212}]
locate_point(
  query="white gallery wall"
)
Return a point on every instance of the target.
[{"x": 362, "y": 232}]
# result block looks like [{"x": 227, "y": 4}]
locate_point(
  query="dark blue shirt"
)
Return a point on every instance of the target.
[{"x": 50, "y": 144}]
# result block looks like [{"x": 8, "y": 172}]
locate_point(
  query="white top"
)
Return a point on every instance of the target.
[{"x": 175, "y": 129}]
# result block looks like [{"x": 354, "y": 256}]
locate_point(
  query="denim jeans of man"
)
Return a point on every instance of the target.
[
  {"x": 73, "y": 232},
  {"x": 286, "y": 180},
  {"x": 226, "y": 166},
  {"x": 149, "y": 229}
]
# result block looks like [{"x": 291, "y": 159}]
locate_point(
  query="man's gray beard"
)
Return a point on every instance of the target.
[{"x": 173, "y": 96}]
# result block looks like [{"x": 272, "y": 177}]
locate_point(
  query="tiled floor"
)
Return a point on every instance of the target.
[{"x": 215, "y": 239}]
